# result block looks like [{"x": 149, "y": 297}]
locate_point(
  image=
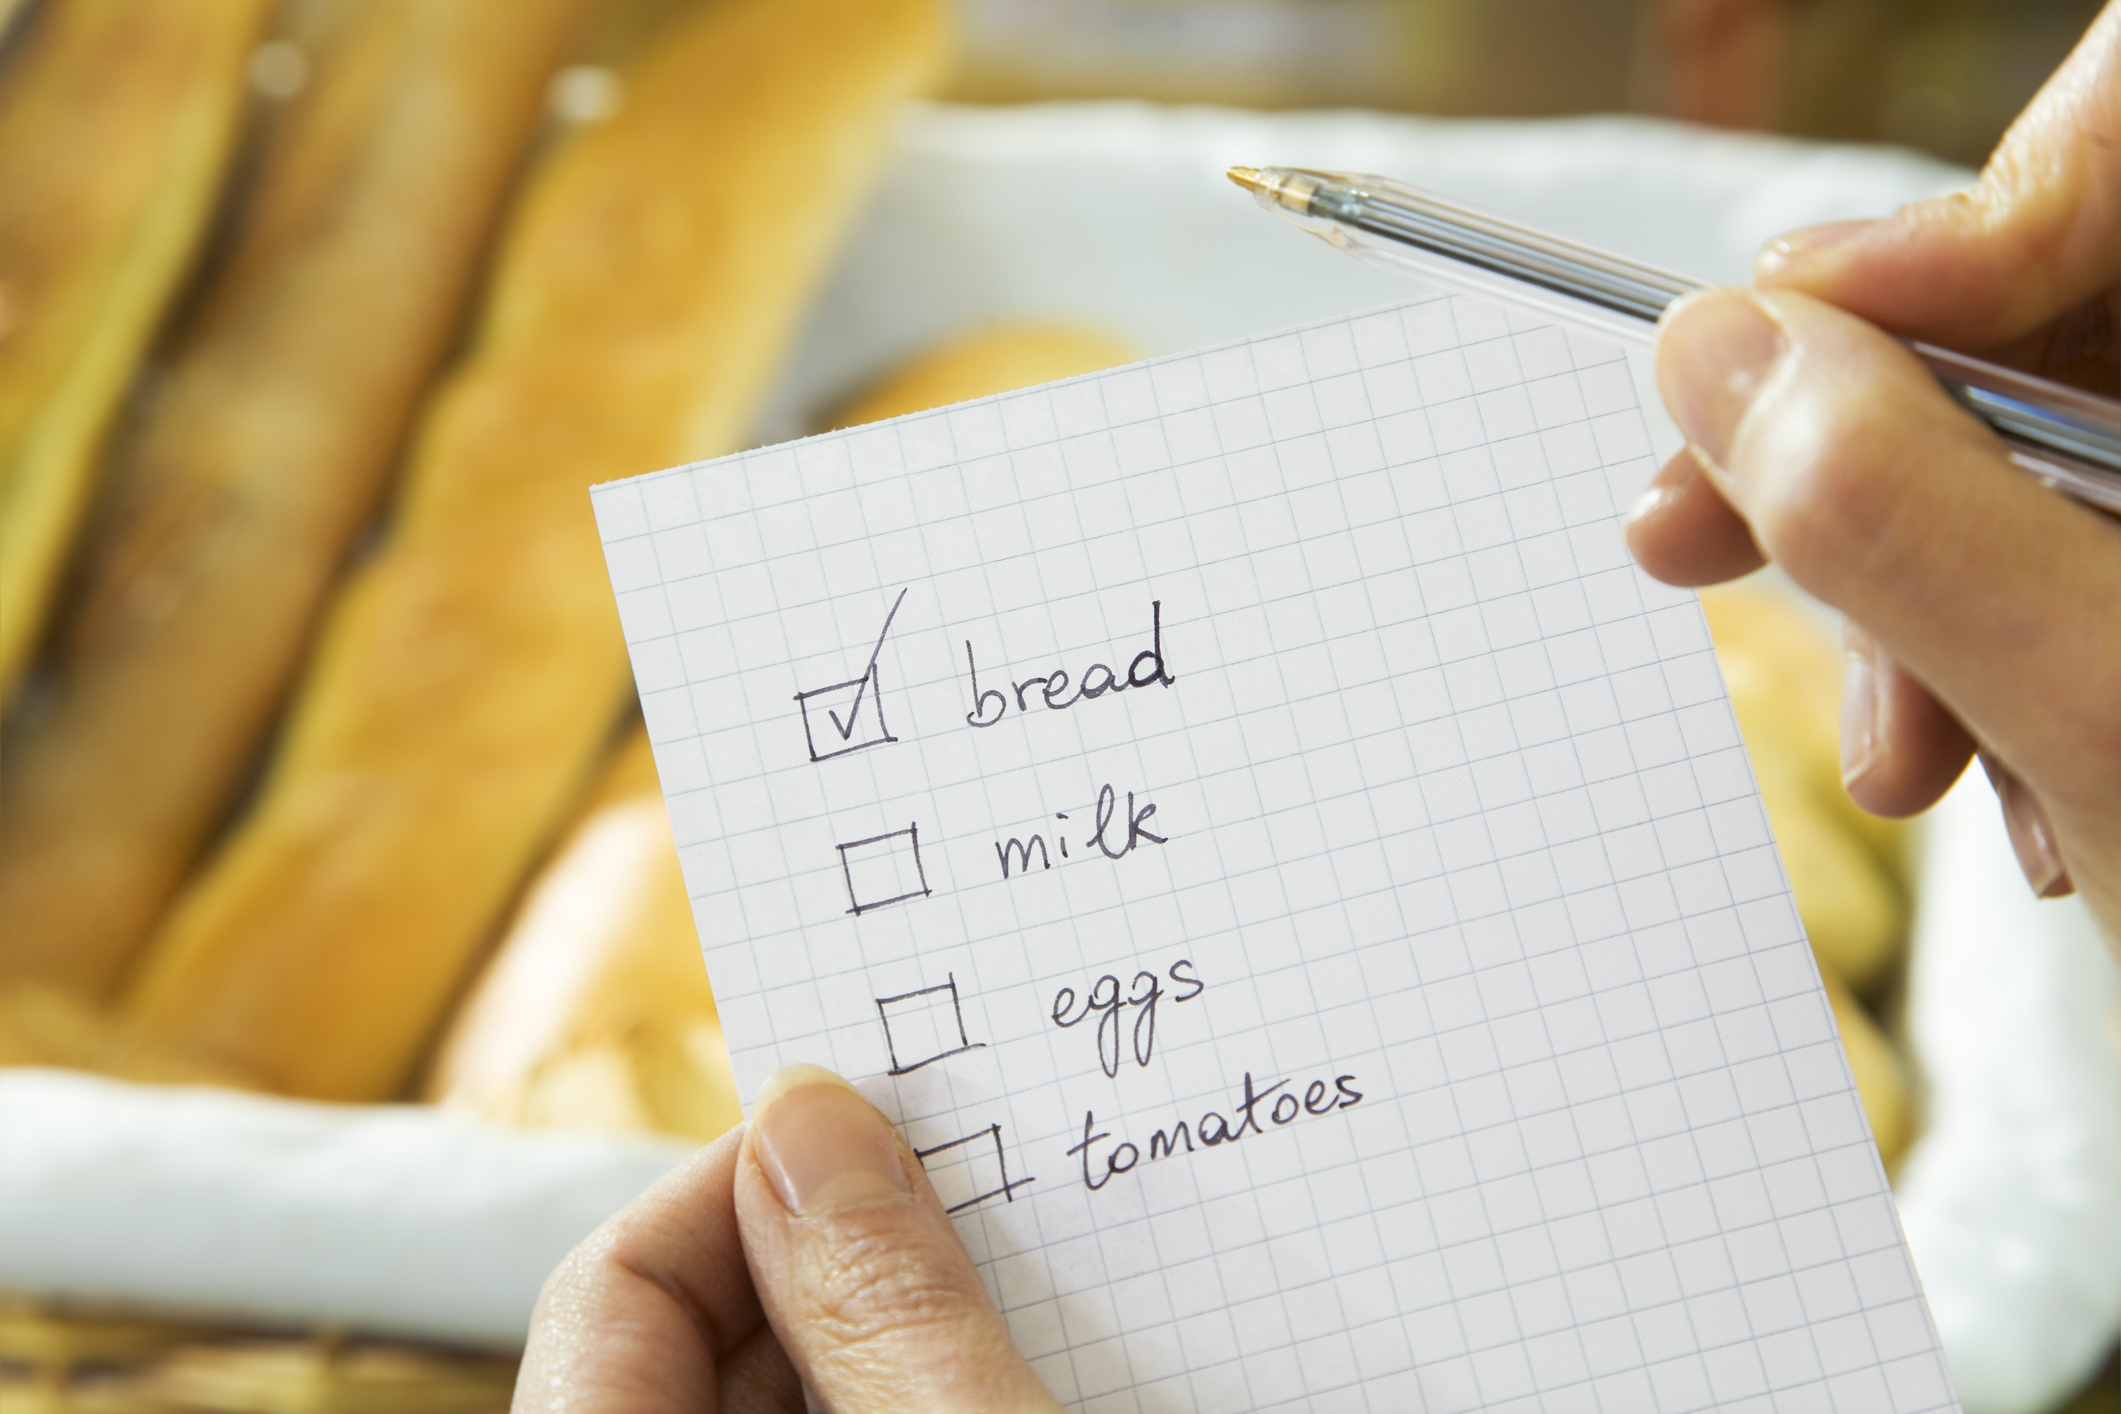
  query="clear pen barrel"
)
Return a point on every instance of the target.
[{"x": 2068, "y": 438}]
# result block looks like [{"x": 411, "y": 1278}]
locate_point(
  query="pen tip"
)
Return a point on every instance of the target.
[{"x": 1246, "y": 177}]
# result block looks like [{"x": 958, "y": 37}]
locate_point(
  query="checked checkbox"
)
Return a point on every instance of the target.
[{"x": 849, "y": 716}]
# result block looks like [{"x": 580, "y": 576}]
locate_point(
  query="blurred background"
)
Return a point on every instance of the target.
[
  {"x": 1945, "y": 76},
  {"x": 298, "y": 1121}
]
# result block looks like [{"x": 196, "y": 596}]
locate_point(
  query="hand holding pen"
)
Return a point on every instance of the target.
[{"x": 1983, "y": 611}]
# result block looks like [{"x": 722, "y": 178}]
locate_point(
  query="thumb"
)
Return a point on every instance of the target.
[
  {"x": 860, "y": 1272},
  {"x": 1856, "y": 473}
]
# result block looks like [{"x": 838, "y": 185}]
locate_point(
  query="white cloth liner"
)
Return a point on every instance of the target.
[
  {"x": 394, "y": 1219},
  {"x": 2011, "y": 1199}
]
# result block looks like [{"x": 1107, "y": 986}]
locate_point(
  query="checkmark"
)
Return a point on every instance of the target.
[
  {"x": 844, "y": 728},
  {"x": 868, "y": 674}
]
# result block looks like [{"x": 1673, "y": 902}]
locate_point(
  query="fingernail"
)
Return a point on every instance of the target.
[
  {"x": 824, "y": 1148},
  {"x": 2032, "y": 834},
  {"x": 1650, "y": 502},
  {"x": 1714, "y": 352},
  {"x": 1797, "y": 246},
  {"x": 1859, "y": 704}
]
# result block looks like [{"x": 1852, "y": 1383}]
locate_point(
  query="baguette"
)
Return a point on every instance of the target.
[
  {"x": 998, "y": 359},
  {"x": 1854, "y": 913},
  {"x": 468, "y": 676},
  {"x": 1785, "y": 683},
  {"x": 1880, "y": 1075},
  {"x": 258, "y": 459},
  {"x": 43, "y": 1026},
  {"x": 1844, "y": 864},
  {"x": 595, "y": 1012},
  {"x": 116, "y": 122}
]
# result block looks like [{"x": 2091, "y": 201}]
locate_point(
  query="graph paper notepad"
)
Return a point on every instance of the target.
[{"x": 1295, "y": 883}]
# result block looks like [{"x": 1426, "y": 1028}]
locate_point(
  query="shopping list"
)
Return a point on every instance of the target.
[{"x": 1295, "y": 884}]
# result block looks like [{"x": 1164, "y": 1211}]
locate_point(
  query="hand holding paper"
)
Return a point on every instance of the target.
[{"x": 810, "y": 1242}]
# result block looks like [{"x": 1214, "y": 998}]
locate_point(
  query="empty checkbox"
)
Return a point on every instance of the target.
[
  {"x": 883, "y": 869},
  {"x": 969, "y": 1171},
  {"x": 923, "y": 1027}
]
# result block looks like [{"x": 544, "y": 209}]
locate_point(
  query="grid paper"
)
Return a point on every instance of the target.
[{"x": 1365, "y": 980}]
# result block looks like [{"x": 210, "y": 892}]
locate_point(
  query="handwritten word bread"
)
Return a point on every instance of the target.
[
  {"x": 116, "y": 120},
  {"x": 595, "y": 1012},
  {"x": 466, "y": 680},
  {"x": 997, "y": 359},
  {"x": 258, "y": 458},
  {"x": 1844, "y": 863}
]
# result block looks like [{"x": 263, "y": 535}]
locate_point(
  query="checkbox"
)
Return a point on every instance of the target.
[
  {"x": 844, "y": 717},
  {"x": 923, "y": 1027},
  {"x": 849, "y": 716},
  {"x": 967, "y": 1172},
  {"x": 883, "y": 869}
]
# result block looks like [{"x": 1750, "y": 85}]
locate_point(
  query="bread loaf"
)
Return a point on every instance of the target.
[
  {"x": 1844, "y": 864},
  {"x": 596, "y": 1012},
  {"x": 1881, "y": 1076},
  {"x": 116, "y": 120},
  {"x": 468, "y": 676},
  {"x": 44, "y": 1026},
  {"x": 258, "y": 458},
  {"x": 998, "y": 359}
]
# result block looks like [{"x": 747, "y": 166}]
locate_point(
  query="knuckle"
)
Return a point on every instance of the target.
[
  {"x": 562, "y": 1292},
  {"x": 1839, "y": 502},
  {"x": 877, "y": 1285}
]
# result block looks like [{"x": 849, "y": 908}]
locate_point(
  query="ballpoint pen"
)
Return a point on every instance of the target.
[{"x": 2066, "y": 437}]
